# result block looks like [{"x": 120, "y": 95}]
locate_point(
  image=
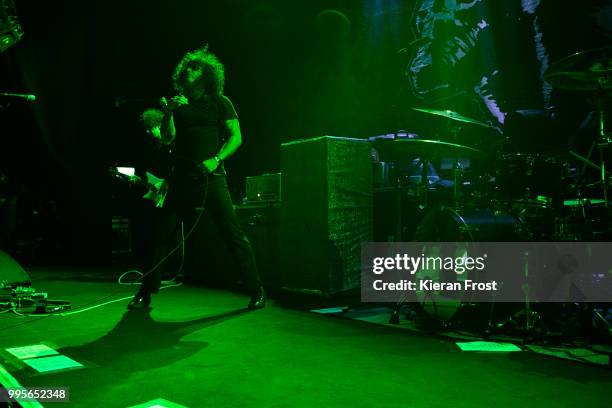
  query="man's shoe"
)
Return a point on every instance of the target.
[
  {"x": 141, "y": 300},
  {"x": 258, "y": 299}
]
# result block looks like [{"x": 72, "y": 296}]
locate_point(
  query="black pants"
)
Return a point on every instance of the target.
[{"x": 185, "y": 200}]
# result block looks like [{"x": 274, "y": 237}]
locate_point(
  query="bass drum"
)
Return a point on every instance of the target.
[
  {"x": 477, "y": 225},
  {"x": 464, "y": 229}
]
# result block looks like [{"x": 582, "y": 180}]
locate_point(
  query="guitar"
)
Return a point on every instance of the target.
[{"x": 157, "y": 188}]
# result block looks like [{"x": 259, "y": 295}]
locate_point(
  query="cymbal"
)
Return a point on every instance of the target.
[
  {"x": 588, "y": 70},
  {"x": 453, "y": 115},
  {"x": 427, "y": 148}
]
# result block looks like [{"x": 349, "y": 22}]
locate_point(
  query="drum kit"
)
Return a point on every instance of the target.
[
  {"x": 508, "y": 195},
  {"x": 540, "y": 190}
]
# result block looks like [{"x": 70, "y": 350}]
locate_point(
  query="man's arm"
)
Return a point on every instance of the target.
[
  {"x": 229, "y": 147},
  {"x": 234, "y": 140},
  {"x": 167, "y": 128}
]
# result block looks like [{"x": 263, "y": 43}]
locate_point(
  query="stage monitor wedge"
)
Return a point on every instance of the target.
[{"x": 11, "y": 272}]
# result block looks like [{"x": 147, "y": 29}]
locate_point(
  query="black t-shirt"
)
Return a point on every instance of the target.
[{"x": 200, "y": 127}]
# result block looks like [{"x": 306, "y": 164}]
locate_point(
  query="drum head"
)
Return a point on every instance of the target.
[{"x": 464, "y": 230}]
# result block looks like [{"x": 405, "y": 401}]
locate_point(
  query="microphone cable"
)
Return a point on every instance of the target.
[
  {"x": 181, "y": 241},
  {"x": 84, "y": 307}
]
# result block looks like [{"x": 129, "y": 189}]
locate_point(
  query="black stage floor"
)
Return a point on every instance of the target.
[{"x": 200, "y": 348}]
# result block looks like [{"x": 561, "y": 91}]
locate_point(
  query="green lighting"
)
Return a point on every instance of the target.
[
  {"x": 31, "y": 351},
  {"x": 54, "y": 363},
  {"x": 158, "y": 403}
]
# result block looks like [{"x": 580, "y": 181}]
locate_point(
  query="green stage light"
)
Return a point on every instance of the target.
[
  {"x": 159, "y": 403},
  {"x": 52, "y": 364},
  {"x": 31, "y": 351}
]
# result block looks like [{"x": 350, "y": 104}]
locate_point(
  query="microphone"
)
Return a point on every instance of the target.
[
  {"x": 27, "y": 97},
  {"x": 171, "y": 104},
  {"x": 163, "y": 102}
]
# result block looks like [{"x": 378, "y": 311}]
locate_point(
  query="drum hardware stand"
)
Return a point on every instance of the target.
[
  {"x": 424, "y": 181},
  {"x": 395, "y": 314},
  {"x": 603, "y": 141},
  {"x": 397, "y": 307},
  {"x": 601, "y": 320},
  {"x": 455, "y": 129},
  {"x": 398, "y": 211},
  {"x": 399, "y": 193},
  {"x": 586, "y": 162},
  {"x": 456, "y": 167},
  {"x": 417, "y": 309},
  {"x": 424, "y": 149},
  {"x": 583, "y": 202},
  {"x": 457, "y": 177},
  {"x": 531, "y": 317},
  {"x": 424, "y": 162}
]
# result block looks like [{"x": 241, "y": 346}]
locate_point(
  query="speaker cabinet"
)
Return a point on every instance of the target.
[{"x": 326, "y": 213}]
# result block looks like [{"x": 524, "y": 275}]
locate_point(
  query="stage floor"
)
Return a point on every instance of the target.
[{"x": 201, "y": 348}]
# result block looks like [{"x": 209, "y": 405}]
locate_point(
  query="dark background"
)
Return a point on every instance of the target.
[{"x": 294, "y": 69}]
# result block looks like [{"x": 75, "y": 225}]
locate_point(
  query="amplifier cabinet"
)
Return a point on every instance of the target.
[
  {"x": 261, "y": 224},
  {"x": 214, "y": 265},
  {"x": 263, "y": 188}
]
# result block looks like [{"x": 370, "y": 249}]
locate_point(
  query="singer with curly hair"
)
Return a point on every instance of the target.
[{"x": 203, "y": 125}]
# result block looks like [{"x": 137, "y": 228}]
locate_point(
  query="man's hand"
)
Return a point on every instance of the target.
[
  {"x": 174, "y": 103},
  {"x": 211, "y": 165}
]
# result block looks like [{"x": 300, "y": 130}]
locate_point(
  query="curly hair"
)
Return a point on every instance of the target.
[
  {"x": 152, "y": 118},
  {"x": 213, "y": 72}
]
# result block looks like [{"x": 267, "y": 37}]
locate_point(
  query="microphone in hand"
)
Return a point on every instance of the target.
[{"x": 174, "y": 103}]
